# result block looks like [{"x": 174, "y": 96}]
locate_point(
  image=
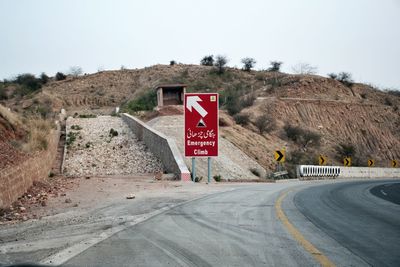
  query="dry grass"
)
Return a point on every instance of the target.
[
  {"x": 38, "y": 132},
  {"x": 11, "y": 117}
]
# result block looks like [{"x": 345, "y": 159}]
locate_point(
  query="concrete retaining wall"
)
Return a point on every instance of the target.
[
  {"x": 338, "y": 172},
  {"x": 365, "y": 172},
  {"x": 16, "y": 180},
  {"x": 160, "y": 145}
]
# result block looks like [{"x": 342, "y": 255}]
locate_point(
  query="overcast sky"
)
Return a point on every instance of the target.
[{"x": 358, "y": 36}]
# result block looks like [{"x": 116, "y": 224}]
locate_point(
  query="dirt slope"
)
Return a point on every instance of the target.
[
  {"x": 359, "y": 115},
  {"x": 11, "y": 132}
]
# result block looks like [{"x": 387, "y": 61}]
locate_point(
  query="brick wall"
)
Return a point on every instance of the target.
[{"x": 15, "y": 180}]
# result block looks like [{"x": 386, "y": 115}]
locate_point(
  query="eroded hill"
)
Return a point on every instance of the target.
[{"x": 358, "y": 115}]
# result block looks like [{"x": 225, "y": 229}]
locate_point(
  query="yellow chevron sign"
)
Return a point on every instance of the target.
[
  {"x": 394, "y": 163},
  {"x": 322, "y": 160},
  {"x": 347, "y": 161},
  {"x": 371, "y": 163},
  {"x": 279, "y": 155}
]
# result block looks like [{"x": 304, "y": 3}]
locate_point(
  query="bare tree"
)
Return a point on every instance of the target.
[
  {"x": 75, "y": 71},
  {"x": 248, "y": 63},
  {"x": 304, "y": 68},
  {"x": 220, "y": 63}
]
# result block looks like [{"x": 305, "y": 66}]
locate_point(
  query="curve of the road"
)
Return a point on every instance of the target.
[
  {"x": 343, "y": 220},
  {"x": 362, "y": 216},
  {"x": 235, "y": 228}
]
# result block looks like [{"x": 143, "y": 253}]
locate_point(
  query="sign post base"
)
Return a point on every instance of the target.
[
  {"x": 194, "y": 169},
  {"x": 209, "y": 169}
]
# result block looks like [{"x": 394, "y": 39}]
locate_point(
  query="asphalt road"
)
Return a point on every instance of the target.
[
  {"x": 237, "y": 228},
  {"x": 360, "y": 216},
  {"x": 343, "y": 220},
  {"x": 389, "y": 192}
]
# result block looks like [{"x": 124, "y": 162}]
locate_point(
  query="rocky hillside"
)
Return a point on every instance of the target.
[{"x": 352, "y": 115}]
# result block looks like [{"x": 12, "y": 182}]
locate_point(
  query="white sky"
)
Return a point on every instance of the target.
[{"x": 358, "y": 36}]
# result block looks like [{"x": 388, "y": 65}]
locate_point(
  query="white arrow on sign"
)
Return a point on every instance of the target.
[{"x": 193, "y": 102}]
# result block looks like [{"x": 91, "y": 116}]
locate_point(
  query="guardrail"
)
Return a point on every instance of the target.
[
  {"x": 318, "y": 171},
  {"x": 333, "y": 172}
]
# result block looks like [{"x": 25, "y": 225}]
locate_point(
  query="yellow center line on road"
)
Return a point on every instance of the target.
[{"x": 321, "y": 258}]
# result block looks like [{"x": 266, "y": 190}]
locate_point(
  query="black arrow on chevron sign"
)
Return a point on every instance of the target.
[
  {"x": 322, "y": 160},
  {"x": 346, "y": 162},
  {"x": 280, "y": 155}
]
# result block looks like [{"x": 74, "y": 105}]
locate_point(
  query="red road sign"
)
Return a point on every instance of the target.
[{"x": 201, "y": 125}]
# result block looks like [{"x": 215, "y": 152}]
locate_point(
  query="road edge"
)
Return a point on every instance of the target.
[{"x": 307, "y": 245}]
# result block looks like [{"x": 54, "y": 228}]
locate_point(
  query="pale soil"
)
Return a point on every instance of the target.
[
  {"x": 96, "y": 152},
  {"x": 97, "y": 204}
]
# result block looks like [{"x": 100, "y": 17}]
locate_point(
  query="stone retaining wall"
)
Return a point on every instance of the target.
[
  {"x": 15, "y": 180},
  {"x": 160, "y": 145}
]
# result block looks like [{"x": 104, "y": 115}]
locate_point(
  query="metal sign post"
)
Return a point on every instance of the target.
[
  {"x": 194, "y": 169},
  {"x": 209, "y": 169}
]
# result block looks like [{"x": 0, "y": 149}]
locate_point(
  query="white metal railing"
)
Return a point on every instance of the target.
[{"x": 317, "y": 171}]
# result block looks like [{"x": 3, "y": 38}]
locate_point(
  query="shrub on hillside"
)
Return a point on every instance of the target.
[
  {"x": 44, "y": 78},
  {"x": 393, "y": 92},
  {"x": 343, "y": 77},
  {"x": 248, "y": 100},
  {"x": 275, "y": 66},
  {"x": 3, "y": 94},
  {"x": 300, "y": 157},
  {"x": 332, "y": 75},
  {"x": 345, "y": 150},
  {"x": 172, "y": 63},
  {"x": 265, "y": 124},
  {"x": 220, "y": 63},
  {"x": 217, "y": 178},
  {"x": 388, "y": 101},
  {"x": 207, "y": 60},
  {"x": 248, "y": 63},
  {"x": 242, "y": 119},
  {"x": 146, "y": 101},
  {"x": 303, "y": 137},
  {"x": 28, "y": 81},
  {"x": 60, "y": 76}
]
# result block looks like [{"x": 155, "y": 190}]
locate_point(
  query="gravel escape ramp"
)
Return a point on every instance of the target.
[
  {"x": 231, "y": 163},
  {"x": 105, "y": 146}
]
